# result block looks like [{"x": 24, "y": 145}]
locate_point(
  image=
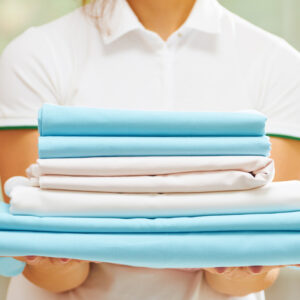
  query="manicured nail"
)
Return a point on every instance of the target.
[
  {"x": 256, "y": 269},
  {"x": 31, "y": 258},
  {"x": 65, "y": 260},
  {"x": 220, "y": 270}
]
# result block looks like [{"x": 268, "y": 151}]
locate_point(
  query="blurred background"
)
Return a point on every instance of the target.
[{"x": 281, "y": 17}]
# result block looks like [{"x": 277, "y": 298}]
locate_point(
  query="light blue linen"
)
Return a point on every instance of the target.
[
  {"x": 10, "y": 267},
  {"x": 165, "y": 250},
  {"x": 57, "y": 120},
  {"x": 243, "y": 222},
  {"x": 239, "y": 240},
  {"x": 75, "y": 147}
]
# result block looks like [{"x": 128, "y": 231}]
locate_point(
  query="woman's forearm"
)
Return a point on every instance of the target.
[
  {"x": 18, "y": 150},
  {"x": 286, "y": 155}
]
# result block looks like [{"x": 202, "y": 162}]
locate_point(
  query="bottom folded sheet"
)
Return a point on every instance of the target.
[
  {"x": 196, "y": 242},
  {"x": 177, "y": 250}
]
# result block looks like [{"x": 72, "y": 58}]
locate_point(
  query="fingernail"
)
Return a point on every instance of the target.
[
  {"x": 31, "y": 258},
  {"x": 65, "y": 260},
  {"x": 220, "y": 270},
  {"x": 256, "y": 269}
]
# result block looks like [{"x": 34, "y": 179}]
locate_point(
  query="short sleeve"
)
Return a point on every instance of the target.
[
  {"x": 27, "y": 80},
  {"x": 281, "y": 91}
]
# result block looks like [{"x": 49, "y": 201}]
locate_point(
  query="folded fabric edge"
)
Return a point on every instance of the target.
[
  {"x": 10, "y": 267},
  {"x": 161, "y": 251}
]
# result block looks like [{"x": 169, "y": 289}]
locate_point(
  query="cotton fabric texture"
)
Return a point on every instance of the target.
[
  {"x": 133, "y": 166},
  {"x": 55, "y": 120},
  {"x": 288, "y": 221},
  {"x": 191, "y": 174},
  {"x": 160, "y": 250},
  {"x": 70, "y": 147},
  {"x": 274, "y": 197}
]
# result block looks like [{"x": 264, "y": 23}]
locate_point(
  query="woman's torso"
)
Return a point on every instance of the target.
[{"x": 215, "y": 61}]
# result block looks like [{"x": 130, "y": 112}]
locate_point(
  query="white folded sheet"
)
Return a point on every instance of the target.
[
  {"x": 153, "y": 165},
  {"x": 272, "y": 198},
  {"x": 152, "y": 174}
]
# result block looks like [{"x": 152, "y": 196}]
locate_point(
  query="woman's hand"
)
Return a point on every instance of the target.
[
  {"x": 55, "y": 274},
  {"x": 241, "y": 281}
]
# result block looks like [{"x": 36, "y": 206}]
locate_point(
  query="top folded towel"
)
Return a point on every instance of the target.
[{"x": 57, "y": 120}]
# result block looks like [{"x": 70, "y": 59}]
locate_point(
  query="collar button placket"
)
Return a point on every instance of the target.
[{"x": 167, "y": 54}]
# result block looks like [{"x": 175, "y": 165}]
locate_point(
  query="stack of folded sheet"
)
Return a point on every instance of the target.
[{"x": 153, "y": 189}]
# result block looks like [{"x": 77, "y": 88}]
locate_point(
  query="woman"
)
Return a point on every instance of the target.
[{"x": 152, "y": 55}]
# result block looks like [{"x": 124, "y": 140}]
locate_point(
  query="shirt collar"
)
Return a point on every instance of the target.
[{"x": 204, "y": 17}]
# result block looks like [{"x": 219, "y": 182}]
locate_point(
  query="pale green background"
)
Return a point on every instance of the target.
[{"x": 281, "y": 17}]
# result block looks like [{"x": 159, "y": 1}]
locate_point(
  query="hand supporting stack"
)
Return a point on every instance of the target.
[{"x": 153, "y": 189}]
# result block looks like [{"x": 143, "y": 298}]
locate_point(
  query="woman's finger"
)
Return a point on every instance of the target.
[
  {"x": 33, "y": 260},
  {"x": 220, "y": 270},
  {"x": 59, "y": 261},
  {"x": 256, "y": 270},
  {"x": 21, "y": 258},
  {"x": 65, "y": 260}
]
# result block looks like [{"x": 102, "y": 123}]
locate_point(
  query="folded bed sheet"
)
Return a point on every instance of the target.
[
  {"x": 229, "y": 177},
  {"x": 150, "y": 165},
  {"x": 85, "y": 146},
  {"x": 57, "y": 120},
  {"x": 274, "y": 197},
  {"x": 289, "y": 221},
  {"x": 174, "y": 183},
  {"x": 160, "y": 250}
]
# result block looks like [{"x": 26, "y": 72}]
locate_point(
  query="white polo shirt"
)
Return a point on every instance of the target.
[{"x": 215, "y": 61}]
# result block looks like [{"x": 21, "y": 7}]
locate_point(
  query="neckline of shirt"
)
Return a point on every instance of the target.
[{"x": 204, "y": 17}]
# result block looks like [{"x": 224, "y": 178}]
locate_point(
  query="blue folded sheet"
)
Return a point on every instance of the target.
[
  {"x": 288, "y": 221},
  {"x": 82, "y": 121},
  {"x": 160, "y": 250},
  {"x": 68, "y": 147},
  {"x": 10, "y": 267},
  {"x": 239, "y": 240}
]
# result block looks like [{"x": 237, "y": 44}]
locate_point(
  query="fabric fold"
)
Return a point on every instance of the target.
[
  {"x": 274, "y": 197},
  {"x": 198, "y": 174},
  {"x": 85, "y": 146},
  {"x": 57, "y": 120},
  {"x": 151, "y": 165},
  {"x": 178, "y": 250},
  {"x": 195, "y": 182},
  {"x": 244, "y": 222}
]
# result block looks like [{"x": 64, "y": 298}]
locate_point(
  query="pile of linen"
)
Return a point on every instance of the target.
[{"x": 153, "y": 189}]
